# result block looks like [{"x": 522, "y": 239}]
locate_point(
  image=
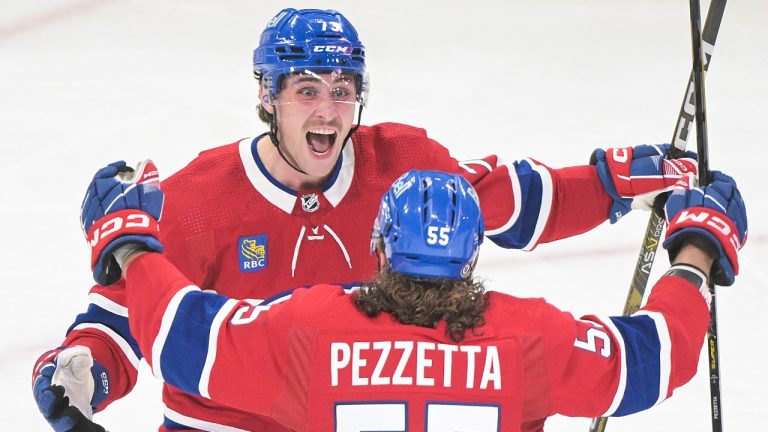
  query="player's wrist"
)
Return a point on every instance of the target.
[
  {"x": 127, "y": 253},
  {"x": 698, "y": 253}
]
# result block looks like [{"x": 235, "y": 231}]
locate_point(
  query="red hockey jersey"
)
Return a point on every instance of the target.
[
  {"x": 230, "y": 227},
  {"x": 314, "y": 362}
]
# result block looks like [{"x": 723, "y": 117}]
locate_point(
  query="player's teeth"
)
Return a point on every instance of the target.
[{"x": 322, "y": 131}]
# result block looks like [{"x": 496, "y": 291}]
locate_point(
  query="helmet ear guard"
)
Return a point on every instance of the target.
[{"x": 431, "y": 225}]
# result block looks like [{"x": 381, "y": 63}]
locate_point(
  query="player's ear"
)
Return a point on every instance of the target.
[
  {"x": 264, "y": 100},
  {"x": 381, "y": 258}
]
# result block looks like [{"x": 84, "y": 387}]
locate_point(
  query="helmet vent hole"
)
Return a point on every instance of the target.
[
  {"x": 289, "y": 57},
  {"x": 425, "y": 200},
  {"x": 453, "y": 209},
  {"x": 295, "y": 49},
  {"x": 280, "y": 49}
]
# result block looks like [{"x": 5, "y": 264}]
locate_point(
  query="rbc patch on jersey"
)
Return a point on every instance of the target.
[{"x": 253, "y": 253}]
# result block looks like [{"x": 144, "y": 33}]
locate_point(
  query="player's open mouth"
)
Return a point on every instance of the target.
[{"x": 321, "y": 140}]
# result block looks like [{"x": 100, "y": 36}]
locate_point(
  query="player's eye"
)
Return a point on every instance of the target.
[
  {"x": 341, "y": 94},
  {"x": 307, "y": 92}
]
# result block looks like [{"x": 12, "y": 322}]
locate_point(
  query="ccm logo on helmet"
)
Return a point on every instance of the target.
[
  {"x": 332, "y": 49},
  {"x": 125, "y": 221}
]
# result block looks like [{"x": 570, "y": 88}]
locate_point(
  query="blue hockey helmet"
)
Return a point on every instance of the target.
[
  {"x": 431, "y": 225},
  {"x": 310, "y": 40}
]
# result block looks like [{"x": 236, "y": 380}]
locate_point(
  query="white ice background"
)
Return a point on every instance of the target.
[{"x": 86, "y": 82}]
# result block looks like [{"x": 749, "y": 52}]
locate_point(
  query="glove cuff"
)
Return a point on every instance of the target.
[
  {"x": 101, "y": 385},
  {"x": 620, "y": 206},
  {"x": 107, "y": 269},
  {"x": 103, "y": 233},
  {"x": 720, "y": 227}
]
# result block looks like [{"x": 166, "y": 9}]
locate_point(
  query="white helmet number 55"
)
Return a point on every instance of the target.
[{"x": 438, "y": 235}]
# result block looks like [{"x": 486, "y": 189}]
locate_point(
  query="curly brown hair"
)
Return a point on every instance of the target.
[{"x": 425, "y": 302}]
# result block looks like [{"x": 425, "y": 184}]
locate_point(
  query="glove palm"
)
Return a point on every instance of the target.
[{"x": 67, "y": 384}]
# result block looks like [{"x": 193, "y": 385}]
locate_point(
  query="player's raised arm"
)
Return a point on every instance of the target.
[
  {"x": 614, "y": 366},
  {"x": 526, "y": 203},
  {"x": 175, "y": 324}
]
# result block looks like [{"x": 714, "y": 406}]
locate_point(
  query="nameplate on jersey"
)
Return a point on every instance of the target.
[{"x": 252, "y": 251}]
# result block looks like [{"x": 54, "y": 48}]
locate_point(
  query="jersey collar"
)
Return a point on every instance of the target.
[{"x": 284, "y": 197}]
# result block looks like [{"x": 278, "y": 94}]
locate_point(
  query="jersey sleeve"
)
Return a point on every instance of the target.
[
  {"x": 527, "y": 203},
  {"x": 103, "y": 328},
  {"x": 204, "y": 343},
  {"x": 615, "y": 366}
]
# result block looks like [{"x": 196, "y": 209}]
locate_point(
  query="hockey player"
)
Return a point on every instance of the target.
[
  {"x": 422, "y": 346},
  {"x": 291, "y": 207}
]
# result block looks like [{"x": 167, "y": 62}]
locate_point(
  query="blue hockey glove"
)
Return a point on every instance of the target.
[
  {"x": 67, "y": 385},
  {"x": 634, "y": 176},
  {"x": 715, "y": 213},
  {"x": 121, "y": 206}
]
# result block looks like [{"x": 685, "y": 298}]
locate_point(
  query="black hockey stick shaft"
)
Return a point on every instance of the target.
[
  {"x": 656, "y": 222},
  {"x": 702, "y": 145},
  {"x": 702, "y": 148}
]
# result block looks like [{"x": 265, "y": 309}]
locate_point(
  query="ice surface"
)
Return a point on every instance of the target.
[{"x": 86, "y": 82}]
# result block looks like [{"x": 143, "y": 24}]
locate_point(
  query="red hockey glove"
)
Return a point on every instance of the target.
[
  {"x": 634, "y": 176},
  {"x": 715, "y": 213},
  {"x": 121, "y": 206}
]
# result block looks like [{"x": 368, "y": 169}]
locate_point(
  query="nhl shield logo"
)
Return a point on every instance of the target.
[
  {"x": 253, "y": 253},
  {"x": 310, "y": 203}
]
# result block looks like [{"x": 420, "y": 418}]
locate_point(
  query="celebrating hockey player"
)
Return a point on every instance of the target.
[
  {"x": 291, "y": 208},
  {"x": 422, "y": 346}
]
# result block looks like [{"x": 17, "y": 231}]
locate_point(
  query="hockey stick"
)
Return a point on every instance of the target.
[
  {"x": 656, "y": 221},
  {"x": 702, "y": 148}
]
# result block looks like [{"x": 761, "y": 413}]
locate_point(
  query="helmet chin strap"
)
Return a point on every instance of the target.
[
  {"x": 353, "y": 129},
  {"x": 276, "y": 142}
]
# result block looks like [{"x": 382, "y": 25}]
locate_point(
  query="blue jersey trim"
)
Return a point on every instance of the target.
[
  {"x": 531, "y": 190},
  {"x": 118, "y": 323},
  {"x": 172, "y": 425},
  {"x": 188, "y": 339},
  {"x": 268, "y": 176},
  {"x": 263, "y": 169},
  {"x": 642, "y": 350}
]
